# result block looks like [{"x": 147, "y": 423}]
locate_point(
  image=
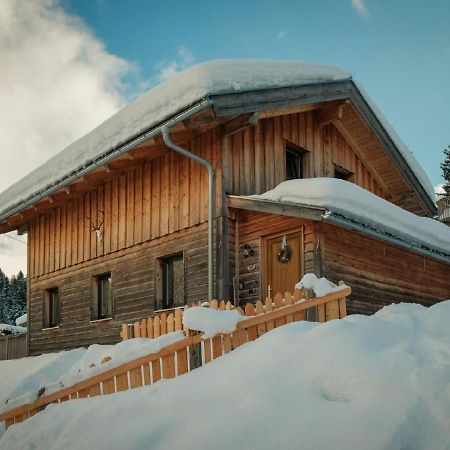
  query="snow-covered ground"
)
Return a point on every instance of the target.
[
  {"x": 23, "y": 381},
  {"x": 379, "y": 382}
]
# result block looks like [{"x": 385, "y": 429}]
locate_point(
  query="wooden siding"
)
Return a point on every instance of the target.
[
  {"x": 134, "y": 279},
  {"x": 164, "y": 195},
  {"x": 253, "y": 226},
  {"x": 255, "y": 159},
  {"x": 379, "y": 273}
]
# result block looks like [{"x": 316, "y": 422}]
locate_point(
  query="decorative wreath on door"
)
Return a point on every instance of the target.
[{"x": 285, "y": 253}]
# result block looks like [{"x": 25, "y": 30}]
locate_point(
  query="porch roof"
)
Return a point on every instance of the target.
[{"x": 324, "y": 214}]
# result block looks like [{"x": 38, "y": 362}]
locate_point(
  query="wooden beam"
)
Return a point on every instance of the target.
[
  {"x": 240, "y": 123},
  {"x": 290, "y": 110},
  {"x": 332, "y": 113},
  {"x": 271, "y": 207},
  {"x": 23, "y": 229}
]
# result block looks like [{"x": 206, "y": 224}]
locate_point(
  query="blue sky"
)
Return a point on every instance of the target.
[{"x": 398, "y": 50}]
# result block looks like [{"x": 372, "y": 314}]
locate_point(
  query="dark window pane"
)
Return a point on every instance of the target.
[
  {"x": 296, "y": 158},
  {"x": 52, "y": 306},
  {"x": 104, "y": 296},
  {"x": 341, "y": 174},
  {"x": 173, "y": 281}
]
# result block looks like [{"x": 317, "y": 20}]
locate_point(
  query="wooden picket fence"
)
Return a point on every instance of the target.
[{"x": 174, "y": 360}]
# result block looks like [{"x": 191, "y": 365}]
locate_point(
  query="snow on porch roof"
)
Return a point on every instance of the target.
[
  {"x": 170, "y": 98},
  {"x": 343, "y": 203}
]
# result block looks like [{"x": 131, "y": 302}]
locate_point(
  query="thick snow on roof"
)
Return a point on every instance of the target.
[
  {"x": 354, "y": 202},
  {"x": 164, "y": 101},
  {"x": 378, "y": 383},
  {"x": 401, "y": 146}
]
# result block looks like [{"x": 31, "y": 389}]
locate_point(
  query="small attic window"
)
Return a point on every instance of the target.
[
  {"x": 296, "y": 161},
  {"x": 342, "y": 174}
]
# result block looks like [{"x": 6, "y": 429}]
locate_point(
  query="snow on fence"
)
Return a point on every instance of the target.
[
  {"x": 13, "y": 346},
  {"x": 177, "y": 359}
]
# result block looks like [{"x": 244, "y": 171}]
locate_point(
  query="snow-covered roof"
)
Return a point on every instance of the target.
[
  {"x": 350, "y": 201},
  {"x": 172, "y": 97},
  {"x": 22, "y": 319}
]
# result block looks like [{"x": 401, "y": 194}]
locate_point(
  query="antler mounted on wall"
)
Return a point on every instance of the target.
[{"x": 97, "y": 226}]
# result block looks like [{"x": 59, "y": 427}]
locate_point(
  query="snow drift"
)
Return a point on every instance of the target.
[{"x": 379, "y": 382}]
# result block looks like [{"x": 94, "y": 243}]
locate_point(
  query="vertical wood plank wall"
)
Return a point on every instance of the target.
[
  {"x": 254, "y": 159},
  {"x": 379, "y": 273},
  {"x": 253, "y": 226},
  {"x": 164, "y": 195}
]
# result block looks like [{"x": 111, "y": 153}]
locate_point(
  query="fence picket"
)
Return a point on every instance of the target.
[
  {"x": 150, "y": 328},
  {"x": 143, "y": 328},
  {"x": 163, "y": 323},
  {"x": 170, "y": 323},
  {"x": 288, "y": 300},
  {"x": 156, "y": 371},
  {"x": 137, "y": 329},
  {"x": 260, "y": 310},
  {"x": 94, "y": 390},
  {"x": 136, "y": 377},
  {"x": 124, "y": 333},
  {"x": 251, "y": 331},
  {"x": 332, "y": 310},
  {"x": 269, "y": 307},
  {"x": 122, "y": 382},
  {"x": 168, "y": 366},
  {"x": 178, "y": 320},
  {"x": 182, "y": 364},
  {"x": 156, "y": 327},
  {"x": 108, "y": 386}
]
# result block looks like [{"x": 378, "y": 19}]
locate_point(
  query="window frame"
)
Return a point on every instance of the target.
[
  {"x": 51, "y": 297},
  {"x": 97, "y": 297},
  {"x": 343, "y": 173},
  {"x": 302, "y": 156},
  {"x": 161, "y": 304}
]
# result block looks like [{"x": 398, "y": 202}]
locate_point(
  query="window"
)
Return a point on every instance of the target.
[
  {"x": 172, "y": 278},
  {"x": 102, "y": 307},
  {"x": 52, "y": 318},
  {"x": 342, "y": 174},
  {"x": 296, "y": 162}
]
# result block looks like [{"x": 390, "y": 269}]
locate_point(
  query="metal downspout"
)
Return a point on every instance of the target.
[{"x": 211, "y": 203}]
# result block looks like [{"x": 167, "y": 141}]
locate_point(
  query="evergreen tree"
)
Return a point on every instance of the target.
[
  {"x": 445, "y": 166},
  {"x": 13, "y": 297},
  {"x": 18, "y": 297},
  {"x": 4, "y": 297}
]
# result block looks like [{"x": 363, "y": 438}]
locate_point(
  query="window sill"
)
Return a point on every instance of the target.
[
  {"x": 157, "y": 311},
  {"x": 50, "y": 329},
  {"x": 106, "y": 319}
]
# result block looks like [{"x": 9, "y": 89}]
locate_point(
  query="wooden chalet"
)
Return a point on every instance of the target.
[{"x": 117, "y": 223}]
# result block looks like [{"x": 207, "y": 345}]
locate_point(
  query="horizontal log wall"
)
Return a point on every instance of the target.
[
  {"x": 255, "y": 158},
  {"x": 133, "y": 281},
  {"x": 252, "y": 227},
  {"x": 379, "y": 273},
  {"x": 164, "y": 195}
]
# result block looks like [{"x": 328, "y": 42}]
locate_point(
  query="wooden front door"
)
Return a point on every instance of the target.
[{"x": 283, "y": 262}]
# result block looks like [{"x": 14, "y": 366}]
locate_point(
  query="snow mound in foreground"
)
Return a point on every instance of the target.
[{"x": 379, "y": 382}]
